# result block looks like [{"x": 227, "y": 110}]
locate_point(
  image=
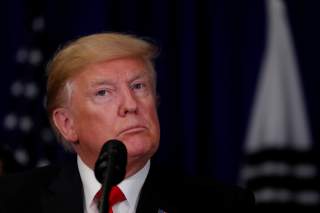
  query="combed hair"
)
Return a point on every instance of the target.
[{"x": 70, "y": 60}]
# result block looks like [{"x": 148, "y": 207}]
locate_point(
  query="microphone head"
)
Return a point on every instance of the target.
[{"x": 111, "y": 163}]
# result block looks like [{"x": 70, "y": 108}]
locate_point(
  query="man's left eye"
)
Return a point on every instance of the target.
[{"x": 138, "y": 86}]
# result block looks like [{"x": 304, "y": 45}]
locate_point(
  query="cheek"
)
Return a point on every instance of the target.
[
  {"x": 154, "y": 127},
  {"x": 152, "y": 115},
  {"x": 96, "y": 126}
]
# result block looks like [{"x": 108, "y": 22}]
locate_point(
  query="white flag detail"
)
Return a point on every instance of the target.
[
  {"x": 279, "y": 123},
  {"x": 279, "y": 119}
]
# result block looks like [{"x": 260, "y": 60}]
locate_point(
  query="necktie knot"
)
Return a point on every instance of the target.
[{"x": 115, "y": 196}]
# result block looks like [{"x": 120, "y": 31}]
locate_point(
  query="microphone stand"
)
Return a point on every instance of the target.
[
  {"x": 107, "y": 185},
  {"x": 110, "y": 169}
]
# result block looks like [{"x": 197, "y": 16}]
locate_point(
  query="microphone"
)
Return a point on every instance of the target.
[{"x": 110, "y": 168}]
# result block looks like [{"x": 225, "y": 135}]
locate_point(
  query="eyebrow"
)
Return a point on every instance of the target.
[
  {"x": 142, "y": 75},
  {"x": 98, "y": 82}
]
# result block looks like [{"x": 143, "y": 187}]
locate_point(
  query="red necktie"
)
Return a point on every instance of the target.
[{"x": 115, "y": 196}]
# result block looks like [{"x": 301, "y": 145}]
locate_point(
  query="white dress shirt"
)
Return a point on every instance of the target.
[{"x": 130, "y": 187}]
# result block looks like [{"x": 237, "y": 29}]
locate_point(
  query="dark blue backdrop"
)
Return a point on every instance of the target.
[{"x": 210, "y": 56}]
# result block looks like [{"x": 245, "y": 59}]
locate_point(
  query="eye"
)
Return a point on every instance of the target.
[
  {"x": 138, "y": 86},
  {"x": 102, "y": 92}
]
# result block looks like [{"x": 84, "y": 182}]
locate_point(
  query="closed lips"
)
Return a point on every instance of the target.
[{"x": 135, "y": 128}]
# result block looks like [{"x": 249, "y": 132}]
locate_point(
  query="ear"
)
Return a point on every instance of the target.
[{"x": 62, "y": 119}]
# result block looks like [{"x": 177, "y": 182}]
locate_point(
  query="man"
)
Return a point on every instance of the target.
[{"x": 103, "y": 87}]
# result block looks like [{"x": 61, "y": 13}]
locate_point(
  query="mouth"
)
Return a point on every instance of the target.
[{"x": 132, "y": 130}]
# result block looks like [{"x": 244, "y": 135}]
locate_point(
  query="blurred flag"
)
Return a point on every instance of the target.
[
  {"x": 280, "y": 167},
  {"x": 25, "y": 131}
]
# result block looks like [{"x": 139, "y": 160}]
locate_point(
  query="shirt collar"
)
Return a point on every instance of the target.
[
  {"x": 90, "y": 184},
  {"x": 130, "y": 186}
]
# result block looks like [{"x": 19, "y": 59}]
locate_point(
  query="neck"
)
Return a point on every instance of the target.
[{"x": 134, "y": 167}]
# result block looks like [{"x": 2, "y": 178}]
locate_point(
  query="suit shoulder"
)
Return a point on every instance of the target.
[
  {"x": 217, "y": 194},
  {"x": 13, "y": 183},
  {"x": 224, "y": 195},
  {"x": 199, "y": 190}
]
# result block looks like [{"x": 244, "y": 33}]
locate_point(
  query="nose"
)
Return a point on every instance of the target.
[{"x": 128, "y": 103}]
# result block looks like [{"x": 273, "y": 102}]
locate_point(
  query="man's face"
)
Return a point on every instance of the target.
[{"x": 114, "y": 100}]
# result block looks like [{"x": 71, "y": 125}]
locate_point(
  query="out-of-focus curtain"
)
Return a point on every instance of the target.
[{"x": 211, "y": 55}]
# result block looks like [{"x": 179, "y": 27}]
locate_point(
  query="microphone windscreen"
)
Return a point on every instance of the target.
[{"x": 111, "y": 163}]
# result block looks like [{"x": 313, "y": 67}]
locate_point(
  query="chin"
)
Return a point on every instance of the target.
[{"x": 140, "y": 146}]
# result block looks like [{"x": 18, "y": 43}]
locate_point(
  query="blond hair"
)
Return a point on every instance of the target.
[{"x": 69, "y": 61}]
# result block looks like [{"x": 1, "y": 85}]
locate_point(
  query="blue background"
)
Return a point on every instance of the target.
[{"x": 211, "y": 53}]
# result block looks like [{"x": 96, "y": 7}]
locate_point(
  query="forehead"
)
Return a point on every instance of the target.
[{"x": 113, "y": 70}]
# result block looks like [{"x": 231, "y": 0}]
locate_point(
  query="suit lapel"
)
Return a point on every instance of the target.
[
  {"x": 152, "y": 197},
  {"x": 64, "y": 194},
  {"x": 148, "y": 200}
]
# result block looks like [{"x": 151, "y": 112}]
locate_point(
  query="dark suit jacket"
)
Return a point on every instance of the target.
[{"x": 59, "y": 190}]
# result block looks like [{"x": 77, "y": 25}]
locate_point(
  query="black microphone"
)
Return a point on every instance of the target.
[{"x": 110, "y": 168}]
